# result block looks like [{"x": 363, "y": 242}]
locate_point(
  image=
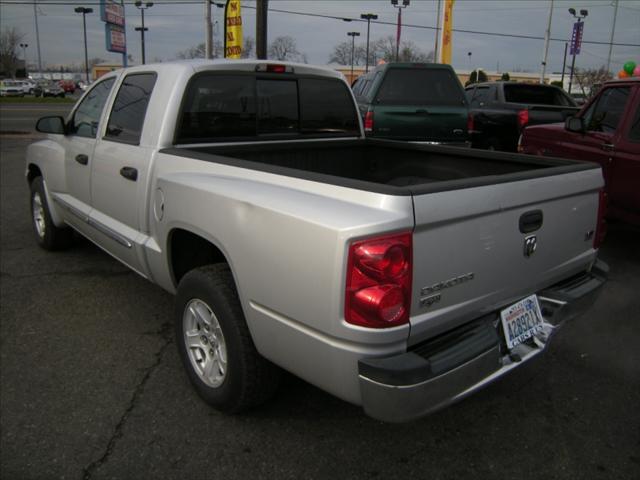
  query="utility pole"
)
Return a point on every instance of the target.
[
  {"x": 368, "y": 17},
  {"x": 436, "y": 53},
  {"x": 84, "y": 12},
  {"x": 142, "y": 7},
  {"x": 262, "y": 9},
  {"x": 547, "y": 34},
  {"x": 564, "y": 63},
  {"x": 35, "y": 16},
  {"x": 208, "y": 39},
  {"x": 353, "y": 36},
  {"x": 613, "y": 29}
]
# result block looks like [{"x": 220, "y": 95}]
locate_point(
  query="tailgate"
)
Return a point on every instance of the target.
[
  {"x": 427, "y": 123},
  {"x": 469, "y": 251}
]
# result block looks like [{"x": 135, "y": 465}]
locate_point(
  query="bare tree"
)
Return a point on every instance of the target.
[
  {"x": 198, "y": 51},
  {"x": 385, "y": 49},
  {"x": 284, "y": 48},
  {"x": 342, "y": 54},
  {"x": 248, "y": 47},
  {"x": 9, "y": 44},
  {"x": 590, "y": 78}
]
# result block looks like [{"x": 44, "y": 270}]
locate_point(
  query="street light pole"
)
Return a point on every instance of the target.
[
  {"x": 24, "y": 55},
  {"x": 353, "y": 36},
  {"x": 368, "y": 17},
  {"x": 142, "y": 7},
  {"x": 84, "y": 12},
  {"x": 575, "y": 45},
  {"x": 405, "y": 4}
]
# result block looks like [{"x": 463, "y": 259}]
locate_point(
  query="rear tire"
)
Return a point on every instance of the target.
[
  {"x": 47, "y": 234},
  {"x": 215, "y": 345}
]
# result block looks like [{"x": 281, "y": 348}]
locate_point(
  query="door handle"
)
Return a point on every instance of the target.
[
  {"x": 82, "y": 159},
  {"x": 129, "y": 173},
  {"x": 607, "y": 147}
]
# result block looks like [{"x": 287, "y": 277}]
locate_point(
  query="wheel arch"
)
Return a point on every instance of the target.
[{"x": 187, "y": 250}]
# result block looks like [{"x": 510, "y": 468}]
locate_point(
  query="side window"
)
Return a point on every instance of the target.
[
  {"x": 130, "y": 107},
  {"x": 605, "y": 114},
  {"x": 84, "y": 122},
  {"x": 634, "y": 131}
]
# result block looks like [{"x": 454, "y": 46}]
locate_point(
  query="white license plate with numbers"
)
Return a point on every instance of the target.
[{"x": 521, "y": 321}]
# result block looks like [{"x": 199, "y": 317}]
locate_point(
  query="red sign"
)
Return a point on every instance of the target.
[{"x": 112, "y": 11}]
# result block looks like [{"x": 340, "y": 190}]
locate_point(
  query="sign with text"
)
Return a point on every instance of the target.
[
  {"x": 112, "y": 11},
  {"x": 232, "y": 30},
  {"x": 116, "y": 38},
  {"x": 576, "y": 38}
]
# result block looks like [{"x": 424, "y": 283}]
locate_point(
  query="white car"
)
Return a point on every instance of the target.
[
  {"x": 27, "y": 85},
  {"x": 11, "y": 88}
]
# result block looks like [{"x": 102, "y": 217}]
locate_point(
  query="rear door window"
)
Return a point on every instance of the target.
[
  {"x": 420, "y": 86},
  {"x": 479, "y": 96},
  {"x": 130, "y": 107}
]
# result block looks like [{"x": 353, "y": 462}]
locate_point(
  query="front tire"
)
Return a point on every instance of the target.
[
  {"x": 215, "y": 345},
  {"x": 47, "y": 234}
]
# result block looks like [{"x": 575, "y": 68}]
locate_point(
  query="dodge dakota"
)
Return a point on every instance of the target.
[{"x": 399, "y": 277}]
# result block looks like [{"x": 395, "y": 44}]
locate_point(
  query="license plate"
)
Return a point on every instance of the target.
[{"x": 521, "y": 321}]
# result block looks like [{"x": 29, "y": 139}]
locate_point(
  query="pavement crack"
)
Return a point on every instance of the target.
[{"x": 89, "y": 470}]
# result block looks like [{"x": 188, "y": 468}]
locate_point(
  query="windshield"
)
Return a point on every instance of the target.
[{"x": 420, "y": 86}]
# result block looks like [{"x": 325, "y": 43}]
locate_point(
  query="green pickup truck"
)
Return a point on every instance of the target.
[{"x": 413, "y": 101}]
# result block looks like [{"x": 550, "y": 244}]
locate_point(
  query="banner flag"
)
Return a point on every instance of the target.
[
  {"x": 447, "y": 32},
  {"x": 232, "y": 30}
]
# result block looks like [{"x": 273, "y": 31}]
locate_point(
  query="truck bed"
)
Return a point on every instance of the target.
[{"x": 384, "y": 166}]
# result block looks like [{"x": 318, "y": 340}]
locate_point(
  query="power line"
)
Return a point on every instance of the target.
[{"x": 341, "y": 18}]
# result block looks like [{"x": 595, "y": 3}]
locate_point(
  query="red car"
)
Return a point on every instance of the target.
[
  {"x": 606, "y": 131},
  {"x": 69, "y": 86}
]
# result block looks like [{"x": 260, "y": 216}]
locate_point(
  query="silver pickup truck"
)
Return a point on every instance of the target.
[{"x": 400, "y": 277}]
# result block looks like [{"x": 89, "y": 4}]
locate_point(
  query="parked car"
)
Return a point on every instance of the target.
[
  {"x": 606, "y": 131},
  {"x": 11, "y": 88},
  {"x": 48, "y": 89},
  {"x": 69, "y": 86},
  {"x": 410, "y": 101},
  {"x": 501, "y": 110},
  {"x": 26, "y": 85},
  {"x": 397, "y": 276}
]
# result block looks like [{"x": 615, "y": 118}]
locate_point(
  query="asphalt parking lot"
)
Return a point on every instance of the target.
[{"x": 91, "y": 386}]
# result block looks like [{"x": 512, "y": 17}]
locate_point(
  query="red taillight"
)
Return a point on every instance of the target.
[
  {"x": 601, "y": 226},
  {"x": 470, "y": 124},
  {"x": 368, "y": 122},
  {"x": 378, "y": 290},
  {"x": 523, "y": 118}
]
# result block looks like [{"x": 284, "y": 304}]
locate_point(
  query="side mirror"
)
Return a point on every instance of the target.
[
  {"x": 574, "y": 124},
  {"x": 53, "y": 125}
]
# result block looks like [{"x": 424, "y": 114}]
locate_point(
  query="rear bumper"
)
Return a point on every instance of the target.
[{"x": 444, "y": 370}]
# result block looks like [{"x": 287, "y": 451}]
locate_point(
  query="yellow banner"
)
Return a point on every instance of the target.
[
  {"x": 447, "y": 32},
  {"x": 232, "y": 30}
]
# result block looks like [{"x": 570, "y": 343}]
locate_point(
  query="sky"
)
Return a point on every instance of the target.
[{"x": 176, "y": 25}]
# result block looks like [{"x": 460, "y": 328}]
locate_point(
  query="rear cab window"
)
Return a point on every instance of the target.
[
  {"x": 420, "y": 86},
  {"x": 226, "y": 107},
  {"x": 537, "y": 95}
]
